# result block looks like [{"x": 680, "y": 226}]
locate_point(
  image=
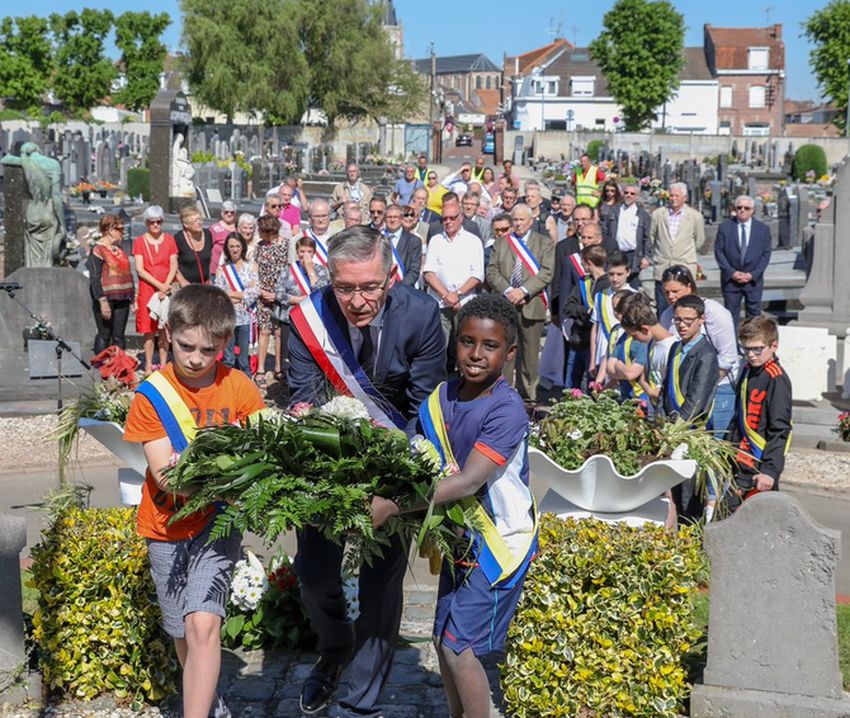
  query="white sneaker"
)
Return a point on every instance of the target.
[{"x": 219, "y": 709}]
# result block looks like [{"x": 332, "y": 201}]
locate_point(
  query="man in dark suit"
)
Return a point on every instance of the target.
[
  {"x": 407, "y": 246},
  {"x": 508, "y": 275},
  {"x": 396, "y": 336},
  {"x": 628, "y": 226},
  {"x": 742, "y": 250}
]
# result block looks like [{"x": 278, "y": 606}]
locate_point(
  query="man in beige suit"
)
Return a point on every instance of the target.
[
  {"x": 675, "y": 234},
  {"x": 508, "y": 275}
]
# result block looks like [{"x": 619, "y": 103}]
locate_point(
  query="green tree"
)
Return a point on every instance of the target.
[
  {"x": 352, "y": 69},
  {"x": 142, "y": 54},
  {"x": 828, "y": 29},
  {"x": 25, "y": 60},
  {"x": 84, "y": 74},
  {"x": 640, "y": 53},
  {"x": 244, "y": 55}
]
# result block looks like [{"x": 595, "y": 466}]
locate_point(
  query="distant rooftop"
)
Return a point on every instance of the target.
[{"x": 455, "y": 64}]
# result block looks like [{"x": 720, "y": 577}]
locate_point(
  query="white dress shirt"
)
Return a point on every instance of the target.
[
  {"x": 627, "y": 224},
  {"x": 454, "y": 261}
]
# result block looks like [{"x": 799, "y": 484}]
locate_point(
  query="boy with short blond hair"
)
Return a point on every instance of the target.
[
  {"x": 191, "y": 574},
  {"x": 602, "y": 318},
  {"x": 762, "y": 424}
]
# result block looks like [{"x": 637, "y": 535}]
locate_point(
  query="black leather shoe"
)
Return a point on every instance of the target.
[{"x": 320, "y": 686}]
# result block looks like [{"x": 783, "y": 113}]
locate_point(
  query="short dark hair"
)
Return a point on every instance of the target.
[
  {"x": 691, "y": 301},
  {"x": 494, "y": 307},
  {"x": 595, "y": 254},
  {"x": 681, "y": 274},
  {"x": 236, "y": 235},
  {"x": 760, "y": 328},
  {"x": 636, "y": 311},
  {"x": 584, "y": 205},
  {"x": 501, "y": 217},
  {"x": 450, "y": 197},
  {"x": 203, "y": 306},
  {"x": 267, "y": 224},
  {"x": 618, "y": 298},
  {"x": 617, "y": 259},
  {"x": 306, "y": 241}
]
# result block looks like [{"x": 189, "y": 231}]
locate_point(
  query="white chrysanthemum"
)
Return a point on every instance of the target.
[
  {"x": 575, "y": 434},
  {"x": 248, "y": 584},
  {"x": 345, "y": 407},
  {"x": 680, "y": 452}
]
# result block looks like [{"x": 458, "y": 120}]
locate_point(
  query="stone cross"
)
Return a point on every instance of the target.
[
  {"x": 772, "y": 645},
  {"x": 13, "y": 538}
]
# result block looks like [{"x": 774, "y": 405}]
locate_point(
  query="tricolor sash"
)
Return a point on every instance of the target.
[
  {"x": 177, "y": 420},
  {"x": 584, "y": 287},
  {"x": 521, "y": 250},
  {"x": 756, "y": 441},
  {"x": 605, "y": 313},
  {"x": 674, "y": 389},
  {"x": 398, "y": 265},
  {"x": 331, "y": 348},
  {"x": 234, "y": 281},
  {"x": 321, "y": 249},
  {"x": 575, "y": 259},
  {"x": 500, "y": 566},
  {"x": 300, "y": 277}
]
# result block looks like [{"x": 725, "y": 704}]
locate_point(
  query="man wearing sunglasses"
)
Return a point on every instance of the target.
[
  {"x": 742, "y": 250},
  {"x": 629, "y": 225},
  {"x": 394, "y": 333}
]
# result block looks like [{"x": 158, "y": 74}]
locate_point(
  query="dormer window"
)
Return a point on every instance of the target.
[
  {"x": 582, "y": 86},
  {"x": 758, "y": 58}
]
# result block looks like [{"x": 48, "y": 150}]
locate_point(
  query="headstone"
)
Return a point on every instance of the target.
[
  {"x": 721, "y": 167},
  {"x": 772, "y": 647},
  {"x": 15, "y": 218},
  {"x": 13, "y": 538},
  {"x": 783, "y": 215},
  {"x": 237, "y": 175},
  {"x": 125, "y": 165},
  {"x": 99, "y": 153},
  {"x": 171, "y": 119}
]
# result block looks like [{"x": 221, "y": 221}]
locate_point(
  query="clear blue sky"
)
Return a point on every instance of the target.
[{"x": 516, "y": 26}]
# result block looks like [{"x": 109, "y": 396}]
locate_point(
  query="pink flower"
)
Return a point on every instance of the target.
[
  {"x": 576, "y": 393},
  {"x": 302, "y": 408}
]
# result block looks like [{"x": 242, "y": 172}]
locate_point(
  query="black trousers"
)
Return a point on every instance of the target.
[
  {"x": 371, "y": 641},
  {"x": 111, "y": 331}
]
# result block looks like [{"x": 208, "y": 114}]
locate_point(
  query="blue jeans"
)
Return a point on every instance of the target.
[
  {"x": 577, "y": 363},
  {"x": 723, "y": 411},
  {"x": 241, "y": 338}
]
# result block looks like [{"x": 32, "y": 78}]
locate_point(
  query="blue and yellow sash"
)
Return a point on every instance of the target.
[
  {"x": 584, "y": 286},
  {"x": 674, "y": 389},
  {"x": 623, "y": 352},
  {"x": 605, "y": 313},
  {"x": 176, "y": 418},
  {"x": 500, "y": 566}
]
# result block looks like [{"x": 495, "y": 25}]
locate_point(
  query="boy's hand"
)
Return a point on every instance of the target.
[
  {"x": 763, "y": 482},
  {"x": 382, "y": 509}
]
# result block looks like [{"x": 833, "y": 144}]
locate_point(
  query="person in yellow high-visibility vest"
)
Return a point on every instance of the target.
[{"x": 587, "y": 181}]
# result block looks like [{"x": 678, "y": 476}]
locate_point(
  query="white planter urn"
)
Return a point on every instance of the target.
[
  {"x": 111, "y": 435},
  {"x": 598, "y": 487}
]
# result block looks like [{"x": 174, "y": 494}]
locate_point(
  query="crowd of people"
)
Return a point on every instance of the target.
[{"x": 460, "y": 278}]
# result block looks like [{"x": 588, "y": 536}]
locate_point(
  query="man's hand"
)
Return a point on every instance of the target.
[
  {"x": 451, "y": 299},
  {"x": 516, "y": 296},
  {"x": 644, "y": 263},
  {"x": 763, "y": 482},
  {"x": 382, "y": 509}
]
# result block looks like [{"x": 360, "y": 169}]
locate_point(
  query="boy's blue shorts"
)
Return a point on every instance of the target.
[{"x": 470, "y": 614}]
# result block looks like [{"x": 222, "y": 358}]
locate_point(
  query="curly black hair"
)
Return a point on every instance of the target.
[{"x": 494, "y": 307}]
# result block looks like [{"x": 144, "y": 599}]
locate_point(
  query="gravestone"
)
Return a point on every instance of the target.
[
  {"x": 772, "y": 646},
  {"x": 125, "y": 165},
  {"x": 15, "y": 219},
  {"x": 171, "y": 117},
  {"x": 13, "y": 538}
]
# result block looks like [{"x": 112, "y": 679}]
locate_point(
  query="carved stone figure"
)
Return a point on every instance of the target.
[
  {"x": 182, "y": 171},
  {"x": 45, "y": 216}
]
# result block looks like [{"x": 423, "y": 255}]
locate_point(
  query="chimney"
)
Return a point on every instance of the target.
[{"x": 776, "y": 31}]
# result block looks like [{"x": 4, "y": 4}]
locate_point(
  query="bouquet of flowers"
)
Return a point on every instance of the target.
[
  {"x": 321, "y": 468},
  {"x": 843, "y": 428}
]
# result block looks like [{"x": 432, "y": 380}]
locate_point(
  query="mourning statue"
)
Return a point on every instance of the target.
[{"x": 45, "y": 218}]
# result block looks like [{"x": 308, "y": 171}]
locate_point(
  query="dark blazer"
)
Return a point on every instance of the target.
[
  {"x": 642, "y": 247},
  {"x": 563, "y": 274},
  {"x": 429, "y": 216},
  {"x": 728, "y": 254},
  {"x": 501, "y": 266},
  {"x": 411, "y": 357},
  {"x": 698, "y": 377},
  {"x": 410, "y": 250}
]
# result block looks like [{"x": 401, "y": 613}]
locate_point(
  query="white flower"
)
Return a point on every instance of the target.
[
  {"x": 345, "y": 407},
  {"x": 680, "y": 452},
  {"x": 575, "y": 435},
  {"x": 249, "y": 583}
]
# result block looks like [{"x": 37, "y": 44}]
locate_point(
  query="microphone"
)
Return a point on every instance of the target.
[{"x": 10, "y": 286}]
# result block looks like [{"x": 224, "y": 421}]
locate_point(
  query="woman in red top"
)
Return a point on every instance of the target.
[
  {"x": 111, "y": 284},
  {"x": 155, "y": 255}
]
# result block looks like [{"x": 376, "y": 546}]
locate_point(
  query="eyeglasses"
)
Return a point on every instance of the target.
[
  {"x": 752, "y": 351},
  {"x": 154, "y": 221},
  {"x": 229, "y": 211},
  {"x": 432, "y": 176},
  {"x": 686, "y": 321},
  {"x": 118, "y": 228},
  {"x": 501, "y": 230},
  {"x": 370, "y": 291},
  {"x": 629, "y": 192},
  {"x": 274, "y": 206},
  {"x": 376, "y": 211},
  {"x": 742, "y": 207},
  {"x": 409, "y": 214},
  {"x": 449, "y": 217}
]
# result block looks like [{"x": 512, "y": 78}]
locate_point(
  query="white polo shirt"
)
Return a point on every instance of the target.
[{"x": 454, "y": 261}]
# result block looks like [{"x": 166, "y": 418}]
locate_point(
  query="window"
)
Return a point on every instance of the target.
[
  {"x": 552, "y": 88},
  {"x": 757, "y": 58},
  {"x": 600, "y": 122},
  {"x": 726, "y": 96},
  {"x": 757, "y": 96},
  {"x": 478, "y": 82},
  {"x": 757, "y": 129},
  {"x": 582, "y": 86},
  {"x": 489, "y": 82}
]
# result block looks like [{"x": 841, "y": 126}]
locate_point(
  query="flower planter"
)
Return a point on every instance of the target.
[
  {"x": 111, "y": 435},
  {"x": 598, "y": 486}
]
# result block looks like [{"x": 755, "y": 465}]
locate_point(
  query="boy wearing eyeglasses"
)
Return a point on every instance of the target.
[{"x": 762, "y": 425}]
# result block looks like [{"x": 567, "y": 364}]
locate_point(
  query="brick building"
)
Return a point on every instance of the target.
[{"x": 749, "y": 64}]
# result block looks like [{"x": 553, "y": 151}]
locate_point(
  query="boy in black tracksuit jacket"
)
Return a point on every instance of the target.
[
  {"x": 761, "y": 427},
  {"x": 578, "y": 306}
]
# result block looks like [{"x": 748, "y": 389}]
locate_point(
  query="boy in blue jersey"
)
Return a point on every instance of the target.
[{"x": 487, "y": 429}]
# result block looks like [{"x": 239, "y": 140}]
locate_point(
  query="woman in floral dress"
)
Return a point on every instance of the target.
[{"x": 272, "y": 258}]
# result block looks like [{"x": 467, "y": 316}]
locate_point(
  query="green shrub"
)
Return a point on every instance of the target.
[
  {"x": 200, "y": 157},
  {"x": 604, "y": 623},
  {"x": 139, "y": 183},
  {"x": 809, "y": 158},
  {"x": 96, "y": 625},
  {"x": 593, "y": 148}
]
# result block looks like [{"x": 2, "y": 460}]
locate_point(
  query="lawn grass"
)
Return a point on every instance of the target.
[{"x": 30, "y": 592}]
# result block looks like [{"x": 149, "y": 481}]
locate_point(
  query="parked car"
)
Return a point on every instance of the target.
[
  {"x": 464, "y": 140},
  {"x": 488, "y": 147}
]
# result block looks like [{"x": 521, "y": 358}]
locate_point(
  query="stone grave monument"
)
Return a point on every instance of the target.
[
  {"x": 772, "y": 644},
  {"x": 171, "y": 170},
  {"x": 13, "y": 538}
]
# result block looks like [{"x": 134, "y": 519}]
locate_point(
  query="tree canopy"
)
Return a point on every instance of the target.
[
  {"x": 640, "y": 53},
  {"x": 26, "y": 60},
  {"x": 142, "y": 54},
  {"x": 828, "y": 29}
]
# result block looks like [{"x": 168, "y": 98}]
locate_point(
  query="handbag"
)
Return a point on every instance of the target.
[{"x": 280, "y": 313}]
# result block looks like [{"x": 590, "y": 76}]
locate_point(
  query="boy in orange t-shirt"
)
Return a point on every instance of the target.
[{"x": 192, "y": 576}]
